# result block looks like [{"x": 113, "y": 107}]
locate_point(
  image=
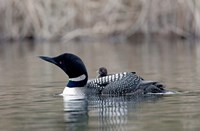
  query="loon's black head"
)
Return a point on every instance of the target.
[
  {"x": 102, "y": 72},
  {"x": 73, "y": 66}
]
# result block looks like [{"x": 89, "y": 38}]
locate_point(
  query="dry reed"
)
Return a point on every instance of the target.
[{"x": 68, "y": 19}]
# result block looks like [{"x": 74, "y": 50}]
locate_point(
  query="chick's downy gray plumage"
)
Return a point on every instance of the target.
[{"x": 102, "y": 72}]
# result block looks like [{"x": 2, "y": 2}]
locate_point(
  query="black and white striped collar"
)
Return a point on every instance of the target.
[{"x": 79, "y": 81}]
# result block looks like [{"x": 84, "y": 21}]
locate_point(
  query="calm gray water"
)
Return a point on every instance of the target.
[{"x": 28, "y": 86}]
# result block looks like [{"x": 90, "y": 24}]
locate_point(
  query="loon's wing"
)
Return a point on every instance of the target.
[
  {"x": 127, "y": 84},
  {"x": 132, "y": 84},
  {"x": 123, "y": 84}
]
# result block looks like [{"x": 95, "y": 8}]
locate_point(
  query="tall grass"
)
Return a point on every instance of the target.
[{"x": 68, "y": 19}]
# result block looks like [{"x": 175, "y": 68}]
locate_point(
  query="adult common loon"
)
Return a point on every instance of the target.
[{"x": 124, "y": 83}]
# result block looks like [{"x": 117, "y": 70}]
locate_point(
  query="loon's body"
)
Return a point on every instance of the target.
[{"x": 115, "y": 84}]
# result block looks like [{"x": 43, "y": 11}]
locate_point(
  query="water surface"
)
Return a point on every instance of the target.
[{"x": 28, "y": 86}]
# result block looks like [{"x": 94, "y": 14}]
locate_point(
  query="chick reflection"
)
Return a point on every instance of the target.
[{"x": 75, "y": 112}]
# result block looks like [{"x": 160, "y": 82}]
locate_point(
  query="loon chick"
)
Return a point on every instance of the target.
[
  {"x": 102, "y": 72},
  {"x": 115, "y": 84}
]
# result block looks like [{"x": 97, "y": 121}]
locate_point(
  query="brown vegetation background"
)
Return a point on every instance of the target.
[{"x": 69, "y": 19}]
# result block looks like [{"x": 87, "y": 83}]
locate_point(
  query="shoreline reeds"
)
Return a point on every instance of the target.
[{"x": 69, "y": 19}]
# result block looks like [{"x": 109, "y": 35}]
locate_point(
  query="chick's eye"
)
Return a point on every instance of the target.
[{"x": 60, "y": 62}]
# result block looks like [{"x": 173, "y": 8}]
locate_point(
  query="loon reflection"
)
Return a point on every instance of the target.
[
  {"x": 75, "y": 112},
  {"x": 104, "y": 113}
]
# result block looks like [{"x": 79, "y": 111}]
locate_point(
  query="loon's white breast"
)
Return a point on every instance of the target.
[{"x": 74, "y": 91}]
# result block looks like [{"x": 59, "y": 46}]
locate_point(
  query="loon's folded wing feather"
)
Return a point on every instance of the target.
[
  {"x": 132, "y": 84},
  {"x": 148, "y": 82}
]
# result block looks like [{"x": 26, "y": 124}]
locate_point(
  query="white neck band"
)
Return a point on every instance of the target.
[{"x": 79, "y": 78}]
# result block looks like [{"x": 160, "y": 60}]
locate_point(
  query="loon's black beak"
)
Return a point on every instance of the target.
[{"x": 49, "y": 59}]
